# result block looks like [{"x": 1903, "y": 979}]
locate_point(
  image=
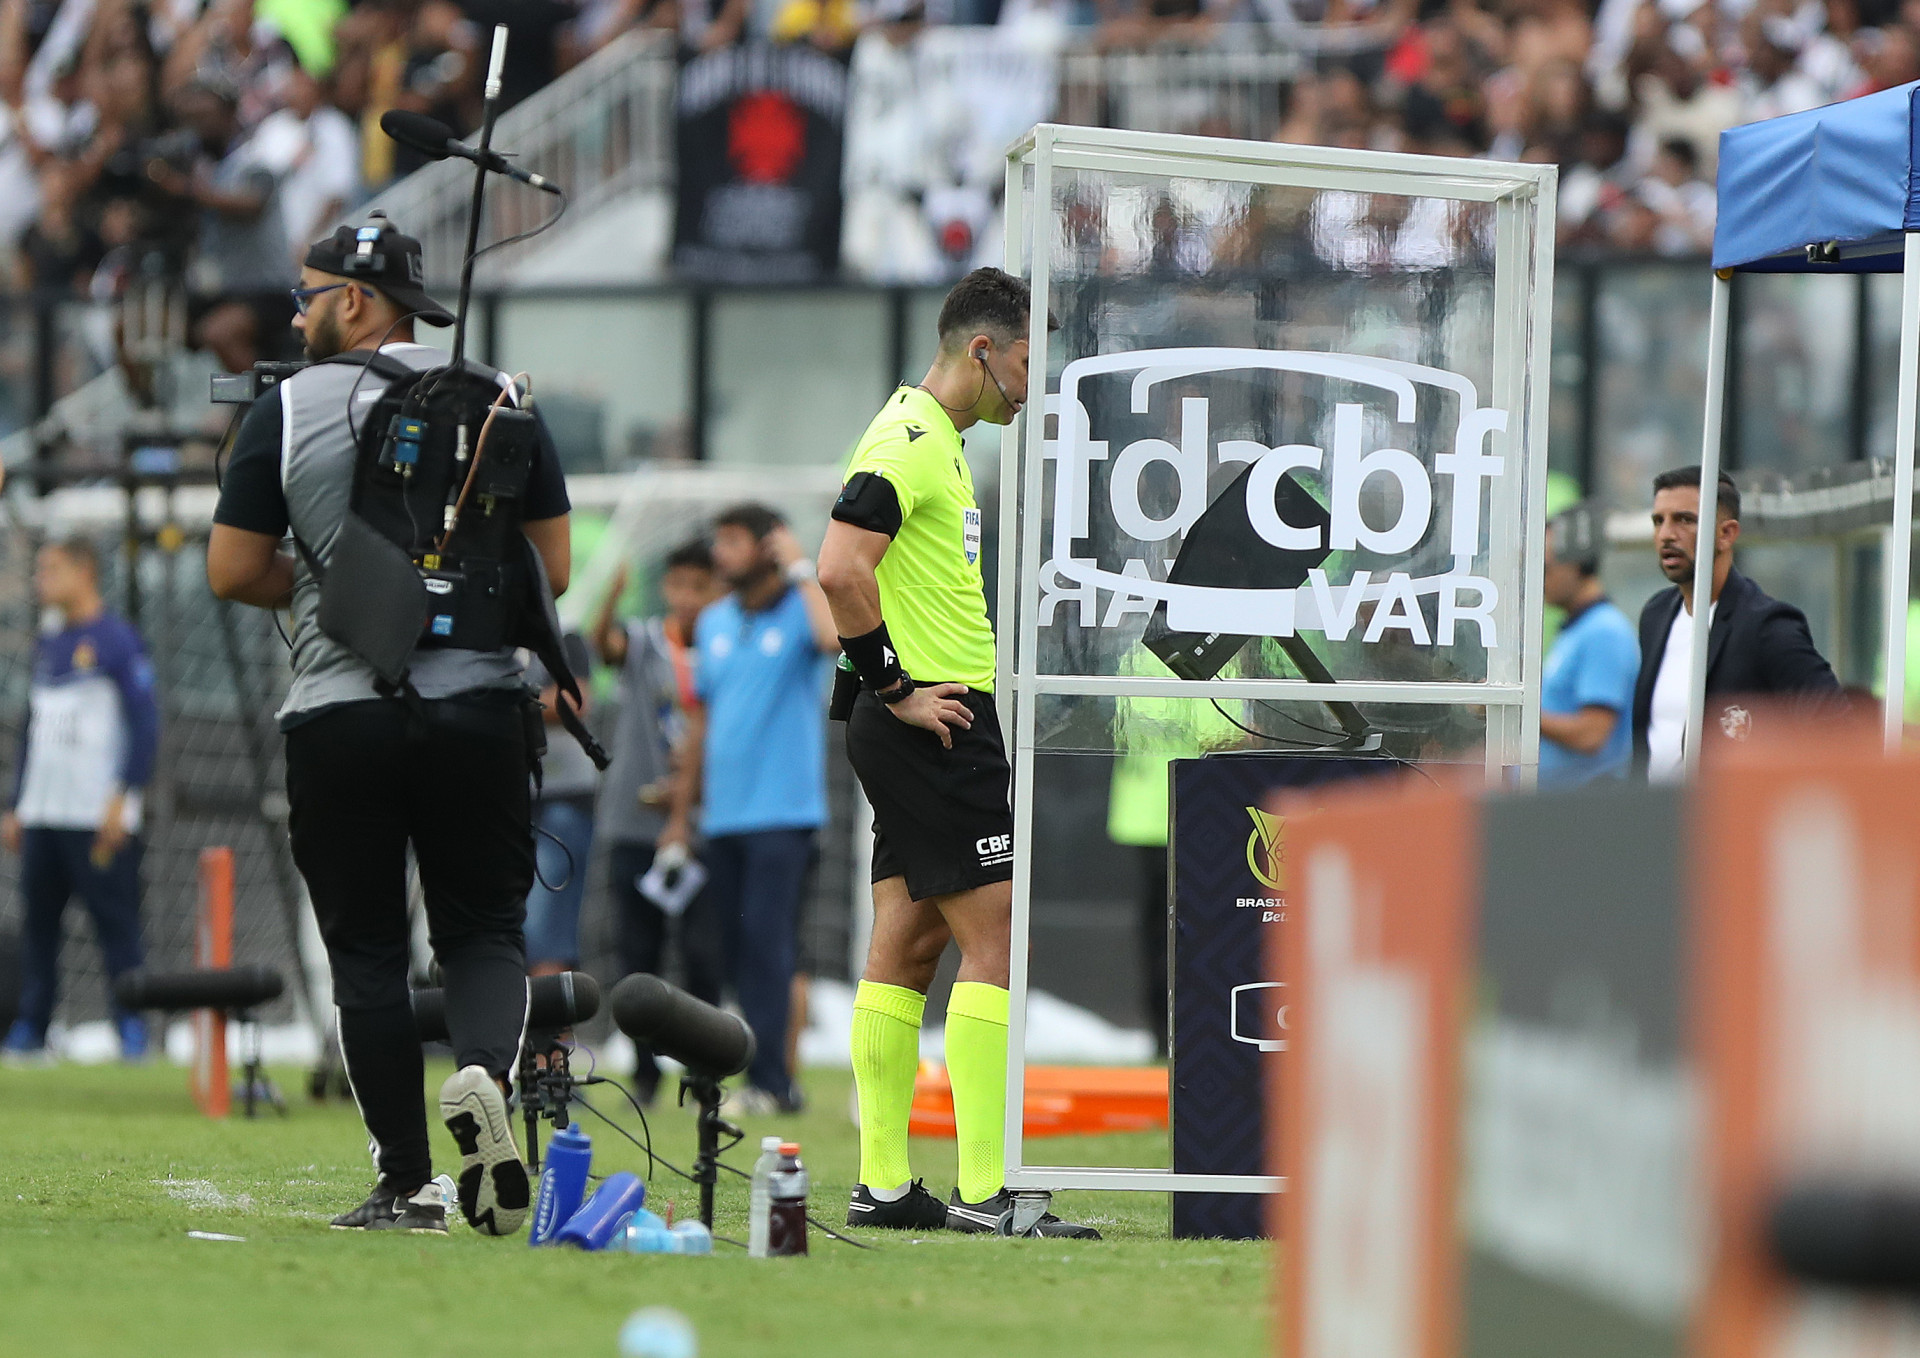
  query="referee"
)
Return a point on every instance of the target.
[
  {"x": 901, "y": 569},
  {"x": 370, "y": 776}
]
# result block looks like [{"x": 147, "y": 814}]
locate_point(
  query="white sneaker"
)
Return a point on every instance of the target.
[{"x": 493, "y": 1180}]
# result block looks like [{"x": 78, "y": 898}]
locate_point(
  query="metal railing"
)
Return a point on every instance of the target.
[
  {"x": 1220, "y": 92},
  {"x": 602, "y": 129}
]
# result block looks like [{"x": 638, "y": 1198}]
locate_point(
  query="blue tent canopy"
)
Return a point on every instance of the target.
[{"x": 1848, "y": 173}]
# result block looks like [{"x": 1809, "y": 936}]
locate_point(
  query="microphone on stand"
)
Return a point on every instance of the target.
[
  {"x": 229, "y": 988},
  {"x": 1863, "y": 1236},
  {"x": 435, "y": 140},
  {"x": 711, "y": 1043},
  {"x": 553, "y": 1002}
]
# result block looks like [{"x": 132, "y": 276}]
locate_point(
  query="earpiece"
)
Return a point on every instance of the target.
[{"x": 981, "y": 356}]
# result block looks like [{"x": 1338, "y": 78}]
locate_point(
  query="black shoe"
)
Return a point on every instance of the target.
[
  {"x": 995, "y": 1217},
  {"x": 379, "y": 1206},
  {"x": 494, "y": 1191},
  {"x": 387, "y": 1209},
  {"x": 919, "y": 1210},
  {"x": 422, "y": 1213}
]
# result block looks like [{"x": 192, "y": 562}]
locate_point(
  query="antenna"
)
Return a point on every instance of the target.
[{"x": 495, "y": 62}]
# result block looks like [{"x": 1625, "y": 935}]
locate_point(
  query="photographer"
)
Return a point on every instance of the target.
[{"x": 440, "y": 765}]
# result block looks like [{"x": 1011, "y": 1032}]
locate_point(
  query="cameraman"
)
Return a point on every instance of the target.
[{"x": 368, "y": 776}]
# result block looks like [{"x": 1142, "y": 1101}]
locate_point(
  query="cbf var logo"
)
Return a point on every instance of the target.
[{"x": 1121, "y": 512}]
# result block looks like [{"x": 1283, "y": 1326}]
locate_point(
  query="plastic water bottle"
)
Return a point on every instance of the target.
[
  {"x": 658, "y": 1332},
  {"x": 691, "y": 1237},
  {"x": 600, "y": 1222},
  {"x": 563, "y": 1183},
  {"x": 787, "y": 1209},
  {"x": 646, "y": 1233},
  {"x": 760, "y": 1197}
]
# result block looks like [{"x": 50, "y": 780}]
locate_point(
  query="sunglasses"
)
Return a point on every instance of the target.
[{"x": 303, "y": 297}]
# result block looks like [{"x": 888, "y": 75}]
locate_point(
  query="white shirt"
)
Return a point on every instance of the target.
[
  {"x": 1667, "y": 723},
  {"x": 318, "y": 161}
]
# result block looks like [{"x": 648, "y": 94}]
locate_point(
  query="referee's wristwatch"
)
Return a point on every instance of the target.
[{"x": 898, "y": 693}]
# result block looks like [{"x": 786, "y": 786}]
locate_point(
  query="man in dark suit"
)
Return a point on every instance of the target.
[{"x": 1756, "y": 645}]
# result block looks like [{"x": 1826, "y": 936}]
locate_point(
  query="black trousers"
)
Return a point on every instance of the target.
[
  {"x": 450, "y": 778},
  {"x": 644, "y": 933}
]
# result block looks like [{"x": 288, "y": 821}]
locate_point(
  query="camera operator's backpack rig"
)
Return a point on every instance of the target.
[{"x": 430, "y": 553}]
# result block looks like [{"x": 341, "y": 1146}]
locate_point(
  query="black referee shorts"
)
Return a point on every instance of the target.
[{"x": 941, "y": 817}]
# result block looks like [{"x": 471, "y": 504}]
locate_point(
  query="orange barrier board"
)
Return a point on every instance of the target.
[
  {"x": 1061, "y": 1100},
  {"x": 1366, "y": 1114}
]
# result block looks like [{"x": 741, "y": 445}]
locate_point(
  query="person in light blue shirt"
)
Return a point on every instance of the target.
[
  {"x": 1586, "y": 695},
  {"x": 754, "y": 762}
]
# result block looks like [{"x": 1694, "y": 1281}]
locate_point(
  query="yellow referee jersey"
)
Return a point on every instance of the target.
[{"x": 931, "y": 593}]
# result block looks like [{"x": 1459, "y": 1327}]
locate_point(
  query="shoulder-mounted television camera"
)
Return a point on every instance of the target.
[{"x": 242, "y": 389}]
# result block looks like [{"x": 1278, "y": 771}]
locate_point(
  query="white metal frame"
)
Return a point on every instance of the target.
[
  {"x": 1899, "y": 546},
  {"x": 1523, "y": 196}
]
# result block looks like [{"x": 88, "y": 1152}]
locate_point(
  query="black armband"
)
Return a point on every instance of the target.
[
  {"x": 874, "y": 658},
  {"x": 868, "y": 501}
]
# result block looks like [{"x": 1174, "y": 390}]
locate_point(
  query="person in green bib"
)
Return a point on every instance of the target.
[{"x": 901, "y": 570}]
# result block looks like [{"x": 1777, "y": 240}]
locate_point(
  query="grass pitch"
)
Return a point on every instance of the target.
[{"x": 105, "y": 1170}]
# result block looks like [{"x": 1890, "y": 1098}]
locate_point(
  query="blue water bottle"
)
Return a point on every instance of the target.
[
  {"x": 604, "y": 1217},
  {"x": 563, "y": 1183}
]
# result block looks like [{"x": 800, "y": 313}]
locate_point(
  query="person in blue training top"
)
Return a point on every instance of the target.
[
  {"x": 86, "y": 755},
  {"x": 1586, "y": 694},
  {"x": 755, "y": 764}
]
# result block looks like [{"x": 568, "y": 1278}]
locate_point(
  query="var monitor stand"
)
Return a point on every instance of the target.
[
  {"x": 1361, "y": 738},
  {"x": 1224, "y": 551}
]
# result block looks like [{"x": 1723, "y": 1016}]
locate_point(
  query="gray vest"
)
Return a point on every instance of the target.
[{"x": 316, "y": 471}]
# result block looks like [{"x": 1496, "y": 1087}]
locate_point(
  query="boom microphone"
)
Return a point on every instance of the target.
[
  {"x": 1860, "y": 1236},
  {"x": 552, "y": 1002},
  {"x": 711, "y": 1043},
  {"x": 434, "y": 140},
  {"x": 229, "y": 988}
]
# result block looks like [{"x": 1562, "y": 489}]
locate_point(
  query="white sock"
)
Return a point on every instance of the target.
[{"x": 889, "y": 1194}]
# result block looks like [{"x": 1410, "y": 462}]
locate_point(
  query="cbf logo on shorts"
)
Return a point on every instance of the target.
[
  {"x": 1346, "y": 421},
  {"x": 994, "y": 850}
]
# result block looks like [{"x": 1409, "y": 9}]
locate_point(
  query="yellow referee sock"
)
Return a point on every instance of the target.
[
  {"x": 886, "y": 1057},
  {"x": 977, "y": 1066}
]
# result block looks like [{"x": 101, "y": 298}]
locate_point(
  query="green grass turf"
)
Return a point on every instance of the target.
[{"x": 107, "y": 1169}]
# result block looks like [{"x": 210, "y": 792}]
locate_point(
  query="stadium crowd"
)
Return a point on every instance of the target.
[{"x": 212, "y": 139}]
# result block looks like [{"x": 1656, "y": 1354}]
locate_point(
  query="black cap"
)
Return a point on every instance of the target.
[{"x": 378, "y": 254}]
